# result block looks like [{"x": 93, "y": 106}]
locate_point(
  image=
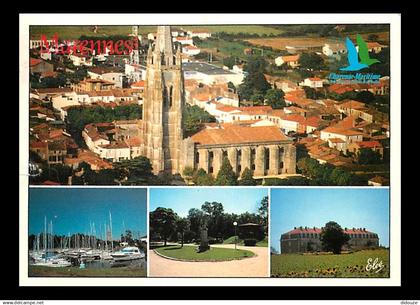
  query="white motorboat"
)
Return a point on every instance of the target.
[
  {"x": 127, "y": 254},
  {"x": 57, "y": 262}
]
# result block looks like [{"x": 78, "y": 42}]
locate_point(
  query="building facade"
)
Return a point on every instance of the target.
[{"x": 304, "y": 239}]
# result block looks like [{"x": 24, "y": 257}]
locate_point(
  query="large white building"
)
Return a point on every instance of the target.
[{"x": 210, "y": 74}]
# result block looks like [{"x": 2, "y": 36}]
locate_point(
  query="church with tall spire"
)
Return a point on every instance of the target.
[
  {"x": 163, "y": 104},
  {"x": 263, "y": 149}
]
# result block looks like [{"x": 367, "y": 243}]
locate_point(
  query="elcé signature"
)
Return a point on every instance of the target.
[{"x": 374, "y": 265}]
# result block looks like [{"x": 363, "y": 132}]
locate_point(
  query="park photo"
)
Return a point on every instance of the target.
[
  {"x": 208, "y": 232},
  {"x": 92, "y": 232},
  {"x": 330, "y": 232}
]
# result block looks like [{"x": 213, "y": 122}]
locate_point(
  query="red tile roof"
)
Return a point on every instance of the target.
[
  {"x": 234, "y": 134},
  {"x": 319, "y": 230}
]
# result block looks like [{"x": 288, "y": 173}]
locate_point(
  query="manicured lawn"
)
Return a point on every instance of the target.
[
  {"x": 76, "y": 272},
  {"x": 329, "y": 265},
  {"x": 231, "y": 240},
  {"x": 214, "y": 254}
]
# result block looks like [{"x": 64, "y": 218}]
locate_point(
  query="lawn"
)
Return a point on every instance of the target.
[
  {"x": 189, "y": 253},
  {"x": 231, "y": 240},
  {"x": 329, "y": 265},
  {"x": 42, "y": 271}
]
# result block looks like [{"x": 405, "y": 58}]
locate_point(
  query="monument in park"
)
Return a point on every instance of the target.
[{"x": 204, "y": 241}]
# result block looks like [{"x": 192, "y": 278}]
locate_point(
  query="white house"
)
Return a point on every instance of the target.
[
  {"x": 183, "y": 40},
  {"x": 210, "y": 74},
  {"x": 108, "y": 75},
  {"x": 340, "y": 138},
  {"x": 81, "y": 60},
  {"x": 312, "y": 82},
  {"x": 334, "y": 49},
  {"x": 292, "y": 61},
  {"x": 200, "y": 33},
  {"x": 190, "y": 50}
]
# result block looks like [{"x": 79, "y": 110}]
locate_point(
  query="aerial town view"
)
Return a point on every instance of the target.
[{"x": 210, "y": 105}]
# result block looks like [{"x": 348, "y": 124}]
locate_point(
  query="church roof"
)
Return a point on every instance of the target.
[{"x": 237, "y": 134}]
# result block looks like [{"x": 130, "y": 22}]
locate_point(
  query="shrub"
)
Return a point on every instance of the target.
[{"x": 250, "y": 242}]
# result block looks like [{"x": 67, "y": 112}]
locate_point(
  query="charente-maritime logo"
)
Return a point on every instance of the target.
[{"x": 358, "y": 59}]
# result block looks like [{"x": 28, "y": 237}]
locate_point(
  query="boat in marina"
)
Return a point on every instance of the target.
[{"x": 127, "y": 254}]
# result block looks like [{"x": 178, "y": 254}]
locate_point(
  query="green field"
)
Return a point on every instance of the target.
[
  {"x": 231, "y": 240},
  {"x": 75, "y": 31},
  {"x": 235, "y": 29},
  {"x": 329, "y": 265},
  {"x": 215, "y": 254},
  {"x": 42, "y": 271}
]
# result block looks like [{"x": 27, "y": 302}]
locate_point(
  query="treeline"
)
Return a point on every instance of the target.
[
  {"x": 327, "y": 174},
  {"x": 167, "y": 225},
  {"x": 78, "y": 117}
]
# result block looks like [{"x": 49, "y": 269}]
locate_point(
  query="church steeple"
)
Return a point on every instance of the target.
[{"x": 164, "y": 44}]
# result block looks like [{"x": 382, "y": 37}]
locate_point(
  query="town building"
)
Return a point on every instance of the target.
[
  {"x": 210, "y": 74},
  {"x": 308, "y": 239},
  {"x": 291, "y": 61}
]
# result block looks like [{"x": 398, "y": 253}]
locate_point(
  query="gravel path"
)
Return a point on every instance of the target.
[{"x": 249, "y": 267}]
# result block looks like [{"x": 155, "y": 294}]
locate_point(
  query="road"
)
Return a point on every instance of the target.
[{"x": 256, "y": 266}]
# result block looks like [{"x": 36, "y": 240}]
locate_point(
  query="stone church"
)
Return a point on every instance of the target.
[{"x": 263, "y": 149}]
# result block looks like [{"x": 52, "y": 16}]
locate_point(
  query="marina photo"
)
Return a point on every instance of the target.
[{"x": 87, "y": 232}]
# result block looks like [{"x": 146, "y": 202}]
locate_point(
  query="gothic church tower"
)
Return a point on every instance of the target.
[{"x": 163, "y": 104}]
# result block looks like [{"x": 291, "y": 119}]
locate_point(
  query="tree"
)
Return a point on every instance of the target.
[
  {"x": 193, "y": 119},
  {"x": 333, "y": 237},
  {"x": 202, "y": 178},
  {"x": 226, "y": 175},
  {"x": 365, "y": 97},
  {"x": 263, "y": 212},
  {"x": 163, "y": 222},
  {"x": 247, "y": 178},
  {"x": 311, "y": 61},
  {"x": 182, "y": 225},
  {"x": 136, "y": 171},
  {"x": 368, "y": 156},
  {"x": 188, "y": 173},
  {"x": 275, "y": 98},
  {"x": 194, "y": 217},
  {"x": 229, "y": 61}
]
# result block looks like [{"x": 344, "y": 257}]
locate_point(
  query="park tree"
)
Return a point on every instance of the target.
[
  {"x": 333, "y": 237},
  {"x": 194, "y": 217},
  {"x": 263, "y": 212},
  {"x": 226, "y": 175},
  {"x": 247, "y": 178},
  {"x": 182, "y": 225},
  {"x": 214, "y": 213},
  {"x": 163, "y": 222}
]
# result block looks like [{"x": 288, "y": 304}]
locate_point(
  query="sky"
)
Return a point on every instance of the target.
[
  {"x": 349, "y": 207},
  {"x": 181, "y": 200},
  {"x": 73, "y": 209}
]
